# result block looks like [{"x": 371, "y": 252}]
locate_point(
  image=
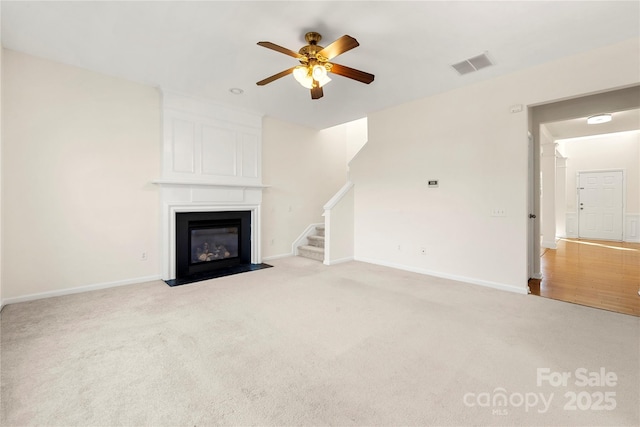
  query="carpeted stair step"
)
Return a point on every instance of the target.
[
  {"x": 320, "y": 230},
  {"x": 317, "y": 241},
  {"x": 312, "y": 252}
]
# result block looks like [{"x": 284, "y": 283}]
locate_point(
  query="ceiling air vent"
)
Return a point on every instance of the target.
[{"x": 472, "y": 64}]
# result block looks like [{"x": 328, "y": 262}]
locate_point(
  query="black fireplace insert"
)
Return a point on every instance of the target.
[{"x": 210, "y": 241}]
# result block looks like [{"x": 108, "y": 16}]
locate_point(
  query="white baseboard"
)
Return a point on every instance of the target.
[
  {"x": 79, "y": 289},
  {"x": 549, "y": 244},
  {"x": 269, "y": 258},
  {"x": 338, "y": 261},
  {"x": 470, "y": 280}
]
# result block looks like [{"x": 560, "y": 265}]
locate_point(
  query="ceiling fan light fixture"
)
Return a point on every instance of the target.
[
  {"x": 599, "y": 118},
  {"x": 319, "y": 74},
  {"x": 303, "y": 76},
  {"x": 323, "y": 81}
]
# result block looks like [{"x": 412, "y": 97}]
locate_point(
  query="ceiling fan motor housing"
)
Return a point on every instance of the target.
[
  {"x": 312, "y": 37},
  {"x": 311, "y": 50}
]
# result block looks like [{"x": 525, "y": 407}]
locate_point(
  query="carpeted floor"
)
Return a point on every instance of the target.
[{"x": 306, "y": 344}]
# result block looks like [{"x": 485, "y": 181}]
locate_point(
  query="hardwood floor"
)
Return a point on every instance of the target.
[{"x": 597, "y": 274}]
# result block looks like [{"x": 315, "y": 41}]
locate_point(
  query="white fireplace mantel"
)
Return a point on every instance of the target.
[
  {"x": 168, "y": 183},
  {"x": 212, "y": 156}
]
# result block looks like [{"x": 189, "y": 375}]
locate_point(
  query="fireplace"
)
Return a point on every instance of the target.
[
  {"x": 211, "y": 244},
  {"x": 211, "y": 169}
]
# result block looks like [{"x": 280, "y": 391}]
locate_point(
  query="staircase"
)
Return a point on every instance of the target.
[{"x": 315, "y": 248}]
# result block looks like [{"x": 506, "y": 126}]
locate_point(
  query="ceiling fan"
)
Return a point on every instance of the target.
[{"x": 314, "y": 63}]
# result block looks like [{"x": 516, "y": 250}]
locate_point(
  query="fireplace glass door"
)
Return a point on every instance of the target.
[{"x": 213, "y": 244}]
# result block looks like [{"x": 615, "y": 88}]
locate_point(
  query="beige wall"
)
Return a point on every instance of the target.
[
  {"x": 80, "y": 150},
  {"x": 469, "y": 140},
  {"x": 304, "y": 169},
  {"x": 356, "y": 137}
]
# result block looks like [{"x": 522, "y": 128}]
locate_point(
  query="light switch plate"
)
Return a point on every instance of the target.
[{"x": 498, "y": 212}]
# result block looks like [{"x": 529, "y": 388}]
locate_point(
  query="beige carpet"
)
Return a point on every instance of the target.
[{"x": 306, "y": 344}]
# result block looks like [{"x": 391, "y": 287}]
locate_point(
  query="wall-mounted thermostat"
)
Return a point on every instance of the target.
[{"x": 433, "y": 183}]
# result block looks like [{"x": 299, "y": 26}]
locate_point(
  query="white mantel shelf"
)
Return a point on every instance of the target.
[{"x": 207, "y": 184}]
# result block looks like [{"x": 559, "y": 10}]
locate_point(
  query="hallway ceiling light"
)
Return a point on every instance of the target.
[{"x": 599, "y": 118}]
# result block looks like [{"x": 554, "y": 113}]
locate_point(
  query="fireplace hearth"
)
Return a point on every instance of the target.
[{"x": 212, "y": 244}]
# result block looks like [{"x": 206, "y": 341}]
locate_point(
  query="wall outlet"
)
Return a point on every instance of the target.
[{"x": 144, "y": 256}]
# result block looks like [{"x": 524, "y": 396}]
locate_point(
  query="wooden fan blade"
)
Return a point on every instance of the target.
[
  {"x": 340, "y": 46},
  {"x": 316, "y": 92},
  {"x": 351, "y": 73},
  {"x": 275, "y": 76},
  {"x": 281, "y": 49}
]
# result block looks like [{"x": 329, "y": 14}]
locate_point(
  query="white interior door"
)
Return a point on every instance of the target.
[{"x": 600, "y": 205}]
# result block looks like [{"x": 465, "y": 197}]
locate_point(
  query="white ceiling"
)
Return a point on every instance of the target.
[
  {"x": 621, "y": 121},
  {"x": 205, "y": 48}
]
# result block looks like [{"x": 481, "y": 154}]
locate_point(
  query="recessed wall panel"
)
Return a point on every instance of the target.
[
  {"x": 591, "y": 197},
  {"x": 250, "y": 155},
  {"x": 608, "y": 197},
  {"x": 218, "y": 151},
  {"x": 183, "y": 146}
]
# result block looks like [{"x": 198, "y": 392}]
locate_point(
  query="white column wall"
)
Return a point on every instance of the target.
[{"x": 548, "y": 197}]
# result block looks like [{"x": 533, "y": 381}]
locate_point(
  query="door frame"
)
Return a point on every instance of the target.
[
  {"x": 532, "y": 270},
  {"x": 620, "y": 99}
]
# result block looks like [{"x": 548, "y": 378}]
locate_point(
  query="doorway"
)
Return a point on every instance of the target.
[{"x": 597, "y": 228}]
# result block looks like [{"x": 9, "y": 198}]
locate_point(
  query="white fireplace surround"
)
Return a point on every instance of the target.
[
  {"x": 168, "y": 230},
  {"x": 211, "y": 162}
]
